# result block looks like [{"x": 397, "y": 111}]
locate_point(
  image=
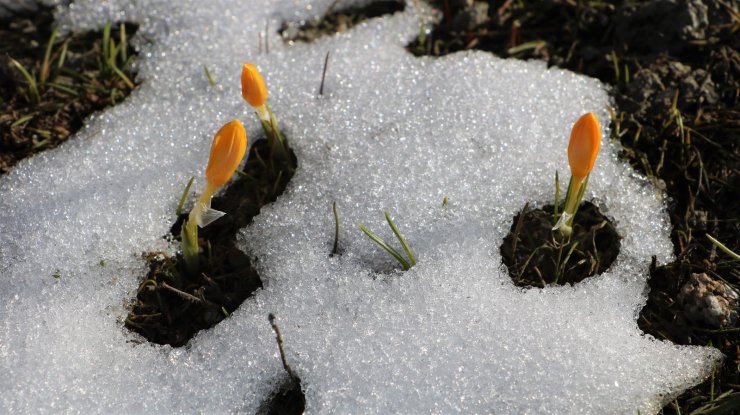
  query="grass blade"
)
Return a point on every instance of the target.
[
  {"x": 63, "y": 54},
  {"x": 106, "y": 40},
  {"x": 184, "y": 196},
  {"x": 208, "y": 75},
  {"x": 123, "y": 76},
  {"x": 63, "y": 88},
  {"x": 375, "y": 238},
  {"x": 405, "y": 246},
  {"x": 724, "y": 248},
  {"x": 123, "y": 42},
  {"x": 557, "y": 197},
  {"x": 22, "y": 120},
  {"x": 46, "y": 63},
  {"x": 32, "y": 86}
]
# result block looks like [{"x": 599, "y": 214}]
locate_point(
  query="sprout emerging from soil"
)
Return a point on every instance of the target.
[
  {"x": 254, "y": 92},
  {"x": 227, "y": 151},
  {"x": 585, "y": 139}
]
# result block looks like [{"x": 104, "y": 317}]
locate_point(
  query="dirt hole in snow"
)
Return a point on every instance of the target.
[
  {"x": 537, "y": 256},
  {"x": 338, "y": 21},
  {"x": 171, "y": 307},
  {"x": 67, "y": 77}
]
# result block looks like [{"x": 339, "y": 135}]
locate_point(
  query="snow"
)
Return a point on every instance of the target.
[{"x": 392, "y": 131}]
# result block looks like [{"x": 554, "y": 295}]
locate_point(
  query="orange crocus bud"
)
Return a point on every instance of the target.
[
  {"x": 585, "y": 139},
  {"x": 254, "y": 90},
  {"x": 227, "y": 151}
]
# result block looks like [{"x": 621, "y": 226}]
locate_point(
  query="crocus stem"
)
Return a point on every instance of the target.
[
  {"x": 272, "y": 130},
  {"x": 189, "y": 232},
  {"x": 571, "y": 199},
  {"x": 190, "y": 249}
]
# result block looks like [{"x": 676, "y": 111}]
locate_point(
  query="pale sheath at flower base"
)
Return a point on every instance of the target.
[
  {"x": 585, "y": 141},
  {"x": 227, "y": 150}
]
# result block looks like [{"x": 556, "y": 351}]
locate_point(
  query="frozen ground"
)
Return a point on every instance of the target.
[{"x": 391, "y": 132}]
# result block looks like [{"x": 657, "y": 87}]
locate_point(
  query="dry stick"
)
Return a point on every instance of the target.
[
  {"x": 267, "y": 37},
  {"x": 186, "y": 296},
  {"x": 279, "y": 339},
  {"x": 335, "y": 249},
  {"x": 323, "y": 74}
]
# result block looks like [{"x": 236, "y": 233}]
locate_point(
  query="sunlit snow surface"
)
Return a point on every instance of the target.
[{"x": 393, "y": 132}]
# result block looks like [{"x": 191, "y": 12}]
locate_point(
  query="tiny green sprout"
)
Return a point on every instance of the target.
[
  {"x": 184, "y": 196},
  {"x": 211, "y": 82},
  {"x": 102, "y": 263},
  {"x": 585, "y": 139},
  {"x": 444, "y": 201},
  {"x": 227, "y": 150},
  {"x": 46, "y": 63},
  {"x": 57, "y": 274},
  {"x": 406, "y": 264},
  {"x": 33, "y": 89}
]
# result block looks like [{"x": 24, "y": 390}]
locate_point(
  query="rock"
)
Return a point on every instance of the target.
[{"x": 709, "y": 301}]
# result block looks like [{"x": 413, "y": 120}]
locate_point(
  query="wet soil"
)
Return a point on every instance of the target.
[
  {"x": 287, "y": 400},
  {"x": 336, "y": 20}
]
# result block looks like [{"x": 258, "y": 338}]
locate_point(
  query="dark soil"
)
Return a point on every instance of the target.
[
  {"x": 337, "y": 21},
  {"x": 77, "y": 82},
  {"x": 287, "y": 400},
  {"x": 171, "y": 306},
  {"x": 674, "y": 70},
  {"x": 536, "y": 256}
]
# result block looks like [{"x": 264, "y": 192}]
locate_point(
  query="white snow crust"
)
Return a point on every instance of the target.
[{"x": 392, "y": 131}]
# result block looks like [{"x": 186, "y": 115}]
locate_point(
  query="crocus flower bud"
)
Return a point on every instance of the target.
[
  {"x": 227, "y": 151},
  {"x": 585, "y": 139},
  {"x": 254, "y": 90}
]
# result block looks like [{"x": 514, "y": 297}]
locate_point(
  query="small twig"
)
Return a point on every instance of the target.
[
  {"x": 279, "y": 339},
  {"x": 267, "y": 37},
  {"x": 183, "y": 294},
  {"x": 323, "y": 74},
  {"x": 335, "y": 248}
]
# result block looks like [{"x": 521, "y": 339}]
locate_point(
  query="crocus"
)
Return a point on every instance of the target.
[
  {"x": 254, "y": 90},
  {"x": 585, "y": 139},
  {"x": 227, "y": 150}
]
